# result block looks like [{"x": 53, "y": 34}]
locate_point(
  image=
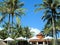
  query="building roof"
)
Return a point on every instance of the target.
[
  {"x": 40, "y": 34},
  {"x": 37, "y": 40},
  {"x": 40, "y": 37}
]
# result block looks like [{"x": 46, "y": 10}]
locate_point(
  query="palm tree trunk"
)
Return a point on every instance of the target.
[
  {"x": 9, "y": 25},
  {"x": 12, "y": 20},
  {"x": 54, "y": 30},
  {"x": 12, "y": 25},
  {"x": 52, "y": 33},
  {"x": 58, "y": 34}
]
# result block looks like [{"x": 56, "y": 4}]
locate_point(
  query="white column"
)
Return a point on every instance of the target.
[
  {"x": 30, "y": 42},
  {"x": 43, "y": 43},
  {"x": 36, "y": 43},
  {"x": 47, "y": 42}
]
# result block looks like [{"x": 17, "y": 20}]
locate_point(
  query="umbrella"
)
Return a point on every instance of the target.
[
  {"x": 20, "y": 38},
  {"x": 1, "y": 39},
  {"x": 48, "y": 37},
  {"x": 9, "y": 39}
]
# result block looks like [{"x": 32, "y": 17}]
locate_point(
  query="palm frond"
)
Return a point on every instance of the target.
[
  {"x": 47, "y": 30},
  {"x": 18, "y": 20},
  {"x": 2, "y": 18}
]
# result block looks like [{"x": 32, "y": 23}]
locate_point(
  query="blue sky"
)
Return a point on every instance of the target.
[{"x": 31, "y": 18}]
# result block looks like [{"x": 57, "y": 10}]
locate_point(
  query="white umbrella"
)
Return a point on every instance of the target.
[
  {"x": 20, "y": 38},
  {"x": 9, "y": 39},
  {"x": 1, "y": 39},
  {"x": 48, "y": 37}
]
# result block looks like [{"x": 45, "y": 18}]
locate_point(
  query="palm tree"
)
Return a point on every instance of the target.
[
  {"x": 3, "y": 34},
  {"x": 16, "y": 30},
  {"x": 12, "y": 8},
  {"x": 16, "y": 8},
  {"x": 19, "y": 30},
  {"x": 51, "y": 15},
  {"x": 28, "y": 34},
  {"x": 48, "y": 28},
  {"x": 8, "y": 32}
]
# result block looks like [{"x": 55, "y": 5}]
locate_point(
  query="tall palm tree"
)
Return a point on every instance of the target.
[
  {"x": 51, "y": 15},
  {"x": 12, "y": 8},
  {"x": 16, "y": 8}
]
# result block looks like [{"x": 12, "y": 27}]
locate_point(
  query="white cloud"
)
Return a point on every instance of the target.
[{"x": 35, "y": 30}]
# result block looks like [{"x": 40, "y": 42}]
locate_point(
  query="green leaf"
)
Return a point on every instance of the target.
[{"x": 18, "y": 20}]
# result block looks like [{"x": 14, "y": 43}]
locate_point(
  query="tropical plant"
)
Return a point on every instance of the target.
[
  {"x": 51, "y": 14},
  {"x": 28, "y": 34},
  {"x": 13, "y": 8},
  {"x": 3, "y": 34},
  {"x": 8, "y": 32},
  {"x": 16, "y": 8},
  {"x": 49, "y": 30}
]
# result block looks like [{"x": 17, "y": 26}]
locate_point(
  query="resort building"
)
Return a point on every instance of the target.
[{"x": 38, "y": 40}]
